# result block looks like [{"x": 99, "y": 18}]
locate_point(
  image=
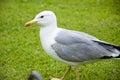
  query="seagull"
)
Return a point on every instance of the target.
[{"x": 69, "y": 46}]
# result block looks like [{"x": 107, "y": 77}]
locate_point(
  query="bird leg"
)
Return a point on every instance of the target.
[
  {"x": 67, "y": 71},
  {"x": 77, "y": 73},
  {"x": 63, "y": 77}
]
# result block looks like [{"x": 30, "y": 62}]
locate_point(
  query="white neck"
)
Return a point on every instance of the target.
[
  {"x": 46, "y": 30},
  {"x": 47, "y": 35}
]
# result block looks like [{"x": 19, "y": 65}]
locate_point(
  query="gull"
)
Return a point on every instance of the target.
[{"x": 69, "y": 46}]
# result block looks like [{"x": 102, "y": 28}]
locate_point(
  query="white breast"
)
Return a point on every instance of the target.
[{"x": 47, "y": 39}]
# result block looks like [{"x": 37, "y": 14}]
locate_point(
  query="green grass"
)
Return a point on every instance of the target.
[{"x": 20, "y": 48}]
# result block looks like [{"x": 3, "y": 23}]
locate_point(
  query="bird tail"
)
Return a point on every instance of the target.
[{"x": 115, "y": 50}]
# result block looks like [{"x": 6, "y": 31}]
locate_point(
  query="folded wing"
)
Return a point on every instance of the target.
[{"x": 77, "y": 47}]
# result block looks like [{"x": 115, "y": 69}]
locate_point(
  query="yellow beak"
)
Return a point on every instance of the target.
[{"x": 30, "y": 23}]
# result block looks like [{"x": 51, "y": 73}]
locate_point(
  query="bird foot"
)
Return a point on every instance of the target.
[{"x": 55, "y": 79}]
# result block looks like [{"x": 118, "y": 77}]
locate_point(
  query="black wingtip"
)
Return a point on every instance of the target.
[
  {"x": 108, "y": 46},
  {"x": 118, "y": 56},
  {"x": 117, "y": 47},
  {"x": 108, "y": 57}
]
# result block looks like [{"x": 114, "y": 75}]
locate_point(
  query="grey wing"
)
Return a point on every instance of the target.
[
  {"x": 86, "y": 35},
  {"x": 74, "y": 47}
]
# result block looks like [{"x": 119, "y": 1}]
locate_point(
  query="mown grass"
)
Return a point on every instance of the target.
[{"x": 20, "y": 48}]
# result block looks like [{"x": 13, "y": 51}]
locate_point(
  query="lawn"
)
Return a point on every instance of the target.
[{"x": 20, "y": 48}]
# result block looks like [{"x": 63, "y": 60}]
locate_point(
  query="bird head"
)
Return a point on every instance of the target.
[{"x": 44, "y": 18}]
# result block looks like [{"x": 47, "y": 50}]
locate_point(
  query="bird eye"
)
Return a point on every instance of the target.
[{"x": 41, "y": 16}]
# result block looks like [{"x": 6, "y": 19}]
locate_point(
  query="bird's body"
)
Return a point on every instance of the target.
[
  {"x": 71, "y": 47},
  {"x": 86, "y": 46},
  {"x": 49, "y": 40}
]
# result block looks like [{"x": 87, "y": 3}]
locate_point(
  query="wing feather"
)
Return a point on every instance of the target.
[{"x": 76, "y": 47}]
